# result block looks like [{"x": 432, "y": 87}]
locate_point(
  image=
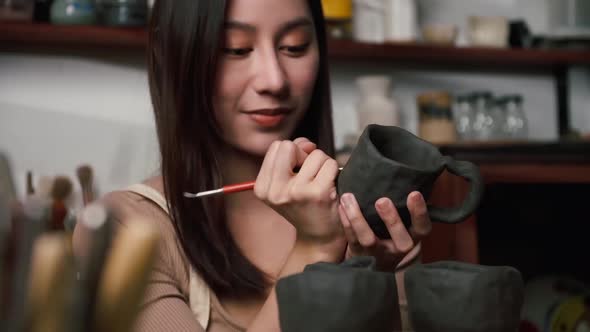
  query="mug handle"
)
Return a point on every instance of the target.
[{"x": 453, "y": 215}]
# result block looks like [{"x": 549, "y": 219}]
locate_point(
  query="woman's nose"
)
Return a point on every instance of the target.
[{"x": 270, "y": 75}]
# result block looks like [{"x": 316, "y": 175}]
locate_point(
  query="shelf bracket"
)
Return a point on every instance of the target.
[{"x": 562, "y": 96}]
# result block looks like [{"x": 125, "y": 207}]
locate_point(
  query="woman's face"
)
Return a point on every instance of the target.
[{"x": 267, "y": 72}]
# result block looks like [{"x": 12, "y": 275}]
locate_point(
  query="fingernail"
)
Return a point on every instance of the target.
[
  {"x": 333, "y": 195},
  {"x": 382, "y": 203},
  {"x": 417, "y": 197},
  {"x": 347, "y": 200}
]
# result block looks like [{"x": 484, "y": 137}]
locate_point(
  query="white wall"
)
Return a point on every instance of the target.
[{"x": 58, "y": 111}]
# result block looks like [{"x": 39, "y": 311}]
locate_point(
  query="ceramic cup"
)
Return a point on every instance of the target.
[
  {"x": 489, "y": 31},
  {"x": 449, "y": 296},
  {"x": 391, "y": 162},
  {"x": 348, "y": 297}
]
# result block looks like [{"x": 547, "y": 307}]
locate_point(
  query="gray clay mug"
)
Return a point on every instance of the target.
[
  {"x": 391, "y": 162},
  {"x": 448, "y": 296}
]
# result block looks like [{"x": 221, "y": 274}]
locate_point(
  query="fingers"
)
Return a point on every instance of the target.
[
  {"x": 421, "y": 224},
  {"x": 365, "y": 235},
  {"x": 353, "y": 242},
  {"x": 311, "y": 166},
  {"x": 285, "y": 161},
  {"x": 264, "y": 175},
  {"x": 304, "y": 144},
  {"x": 327, "y": 174},
  {"x": 401, "y": 239}
]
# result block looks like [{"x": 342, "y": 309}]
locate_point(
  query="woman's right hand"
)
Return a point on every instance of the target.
[{"x": 307, "y": 199}]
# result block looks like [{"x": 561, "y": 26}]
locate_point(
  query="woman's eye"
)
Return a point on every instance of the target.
[
  {"x": 238, "y": 52},
  {"x": 295, "y": 50}
]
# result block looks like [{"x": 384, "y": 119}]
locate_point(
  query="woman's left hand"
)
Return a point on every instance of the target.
[{"x": 362, "y": 241}]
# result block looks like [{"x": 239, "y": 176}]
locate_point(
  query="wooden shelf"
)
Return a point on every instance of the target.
[
  {"x": 458, "y": 56},
  {"x": 31, "y": 36},
  {"x": 533, "y": 152},
  {"x": 77, "y": 37},
  {"x": 530, "y": 162}
]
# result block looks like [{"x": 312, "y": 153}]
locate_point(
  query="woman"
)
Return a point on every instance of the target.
[{"x": 233, "y": 83}]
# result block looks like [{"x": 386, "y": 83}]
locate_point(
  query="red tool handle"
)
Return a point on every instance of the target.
[{"x": 234, "y": 188}]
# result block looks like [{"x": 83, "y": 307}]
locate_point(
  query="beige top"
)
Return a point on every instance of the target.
[{"x": 176, "y": 298}]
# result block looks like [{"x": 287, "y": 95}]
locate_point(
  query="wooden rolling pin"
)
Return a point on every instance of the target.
[{"x": 125, "y": 277}]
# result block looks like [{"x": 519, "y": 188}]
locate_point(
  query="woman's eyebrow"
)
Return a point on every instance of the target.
[
  {"x": 239, "y": 26},
  {"x": 285, "y": 27},
  {"x": 298, "y": 22}
]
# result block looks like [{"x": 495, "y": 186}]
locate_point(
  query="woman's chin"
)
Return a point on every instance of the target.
[{"x": 256, "y": 147}]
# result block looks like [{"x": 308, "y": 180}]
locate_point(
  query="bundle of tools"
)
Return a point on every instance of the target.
[{"x": 45, "y": 287}]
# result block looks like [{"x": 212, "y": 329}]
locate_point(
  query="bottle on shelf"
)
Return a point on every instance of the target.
[
  {"x": 338, "y": 15},
  {"x": 73, "y": 12},
  {"x": 376, "y": 104},
  {"x": 484, "y": 123},
  {"x": 16, "y": 10},
  {"x": 436, "y": 123},
  {"x": 369, "y": 21},
  {"x": 515, "y": 124},
  {"x": 463, "y": 115}
]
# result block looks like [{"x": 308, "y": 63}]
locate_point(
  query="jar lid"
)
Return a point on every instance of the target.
[
  {"x": 441, "y": 99},
  {"x": 464, "y": 98},
  {"x": 514, "y": 98},
  {"x": 337, "y": 9},
  {"x": 124, "y": 2},
  {"x": 432, "y": 112},
  {"x": 486, "y": 95}
]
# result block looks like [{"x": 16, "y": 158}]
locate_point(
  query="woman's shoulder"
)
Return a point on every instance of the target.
[
  {"x": 141, "y": 204},
  {"x": 137, "y": 202},
  {"x": 127, "y": 206}
]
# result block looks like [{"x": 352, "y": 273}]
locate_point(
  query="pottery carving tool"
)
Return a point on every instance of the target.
[
  {"x": 50, "y": 281},
  {"x": 95, "y": 228},
  {"x": 30, "y": 187},
  {"x": 61, "y": 190},
  {"x": 30, "y": 222},
  {"x": 85, "y": 177},
  {"x": 5, "y": 226},
  {"x": 229, "y": 189},
  {"x": 125, "y": 276},
  {"x": 7, "y": 186}
]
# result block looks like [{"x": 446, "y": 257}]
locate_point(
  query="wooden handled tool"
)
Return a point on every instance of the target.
[
  {"x": 95, "y": 228},
  {"x": 125, "y": 276},
  {"x": 50, "y": 280}
]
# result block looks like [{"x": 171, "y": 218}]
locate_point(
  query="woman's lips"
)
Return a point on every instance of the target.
[
  {"x": 269, "y": 118},
  {"x": 268, "y": 121}
]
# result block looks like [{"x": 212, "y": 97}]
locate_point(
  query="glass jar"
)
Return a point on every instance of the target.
[
  {"x": 463, "y": 116},
  {"x": 436, "y": 123},
  {"x": 73, "y": 12},
  {"x": 338, "y": 15},
  {"x": 16, "y": 10},
  {"x": 515, "y": 125},
  {"x": 484, "y": 123},
  {"x": 123, "y": 13}
]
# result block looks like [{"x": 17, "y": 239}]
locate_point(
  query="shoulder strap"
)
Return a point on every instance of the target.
[{"x": 200, "y": 296}]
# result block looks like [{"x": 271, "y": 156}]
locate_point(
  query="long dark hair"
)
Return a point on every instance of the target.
[{"x": 184, "y": 43}]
